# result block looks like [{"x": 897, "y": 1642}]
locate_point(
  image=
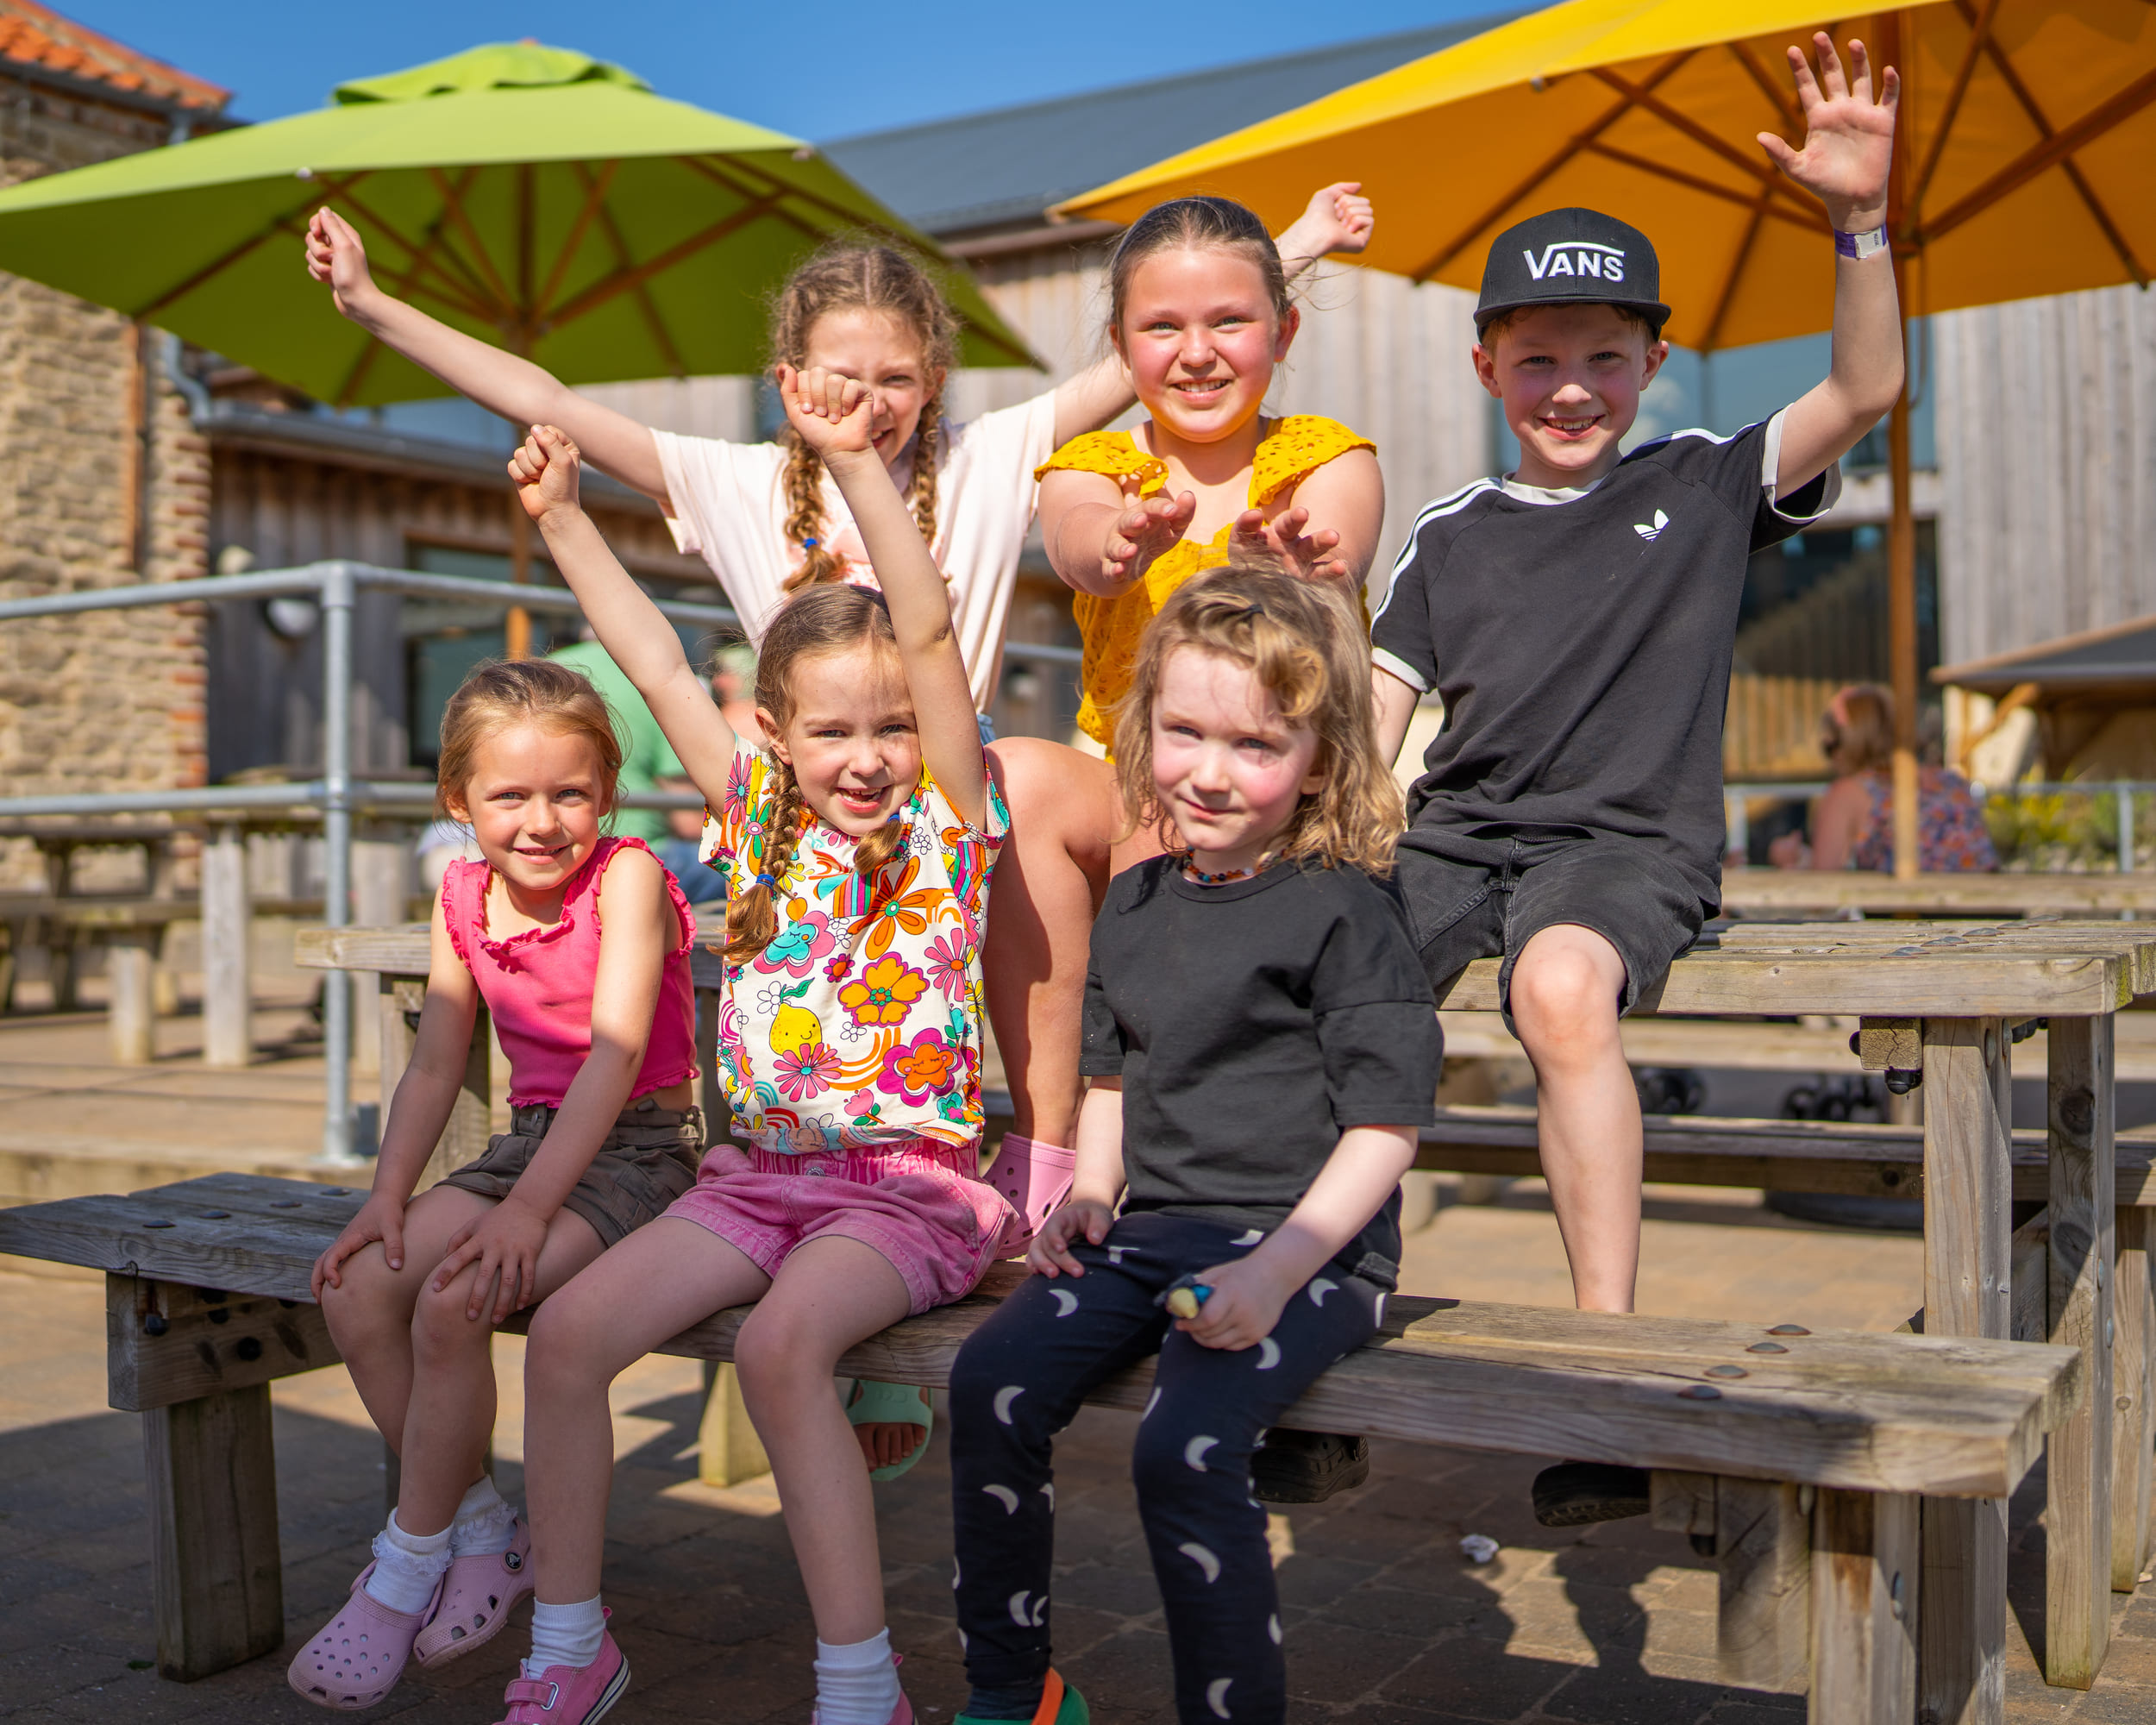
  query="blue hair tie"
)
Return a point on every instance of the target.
[
  {"x": 766, "y": 881},
  {"x": 811, "y": 544}
]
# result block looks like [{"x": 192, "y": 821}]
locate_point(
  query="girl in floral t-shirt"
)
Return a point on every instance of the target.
[{"x": 857, "y": 849}]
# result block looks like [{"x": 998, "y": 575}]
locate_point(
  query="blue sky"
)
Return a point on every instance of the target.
[{"x": 818, "y": 71}]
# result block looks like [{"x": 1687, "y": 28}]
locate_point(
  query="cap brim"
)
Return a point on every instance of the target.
[{"x": 1646, "y": 308}]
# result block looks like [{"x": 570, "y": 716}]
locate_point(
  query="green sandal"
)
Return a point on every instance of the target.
[
  {"x": 870, "y": 1403},
  {"x": 1060, "y": 1705}
]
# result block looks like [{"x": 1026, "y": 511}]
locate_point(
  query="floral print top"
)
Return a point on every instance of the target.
[{"x": 860, "y": 1025}]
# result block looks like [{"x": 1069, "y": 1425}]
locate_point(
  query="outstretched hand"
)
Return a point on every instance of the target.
[
  {"x": 334, "y": 255},
  {"x": 1338, "y": 219},
  {"x": 545, "y": 471},
  {"x": 1848, "y": 136},
  {"x": 833, "y": 415},
  {"x": 1310, "y": 553},
  {"x": 1148, "y": 527}
]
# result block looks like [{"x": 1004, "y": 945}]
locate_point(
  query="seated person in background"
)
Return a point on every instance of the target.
[{"x": 1852, "y": 822}]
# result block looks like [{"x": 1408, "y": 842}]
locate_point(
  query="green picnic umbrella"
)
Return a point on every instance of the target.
[{"x": 534, "y": 196}]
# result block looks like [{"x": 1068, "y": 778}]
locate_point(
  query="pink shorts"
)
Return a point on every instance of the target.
[{"x": 921, "y": 1204}]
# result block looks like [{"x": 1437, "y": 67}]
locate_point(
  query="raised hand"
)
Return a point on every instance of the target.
[
  {"x": 334, "y": 255},
  {"x": 833, "y": 415},
  {"x": 1149, "y": 528},
  {"x": 1338, "y": 219},
  {"x": 1848, "y": 136},
  {"x": 1310, "y": 553},
  {"x": 545, "y": 469}
]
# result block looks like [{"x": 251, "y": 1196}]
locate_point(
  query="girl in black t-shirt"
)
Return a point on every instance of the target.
[{"x": 1262, "y": 1049}]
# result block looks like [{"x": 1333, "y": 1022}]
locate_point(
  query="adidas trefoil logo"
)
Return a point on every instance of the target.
[{"x": 1653, "y": 533}]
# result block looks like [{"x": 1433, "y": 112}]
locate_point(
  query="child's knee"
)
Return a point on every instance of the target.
[
  {"x": 368, "y": 1297},
  {"x": 1176, "y": 1458},
  {"x": 566, "y": 1342},
  {"x": 439, "y": 1324},
  {"x": 1567, "y": 987}
]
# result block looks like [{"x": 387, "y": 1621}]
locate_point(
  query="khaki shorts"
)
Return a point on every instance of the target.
[{"x": 647, "y": 1161}]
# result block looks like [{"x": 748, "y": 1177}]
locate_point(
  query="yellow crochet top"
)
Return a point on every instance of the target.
[{"x": 1290, "y": 450}]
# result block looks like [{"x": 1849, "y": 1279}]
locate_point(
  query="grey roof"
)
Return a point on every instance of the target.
[
  {"x": 2120, "y": 657},
  {"x": 1010, "y": 164}
]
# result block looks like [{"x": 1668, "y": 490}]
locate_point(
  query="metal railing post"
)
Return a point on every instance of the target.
[{"x": 337, "y": 592}]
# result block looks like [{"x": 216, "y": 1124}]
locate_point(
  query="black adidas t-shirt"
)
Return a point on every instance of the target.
[
  {"x": 1581, "y": 641},
  {"x": 1252, "y": 1024}
]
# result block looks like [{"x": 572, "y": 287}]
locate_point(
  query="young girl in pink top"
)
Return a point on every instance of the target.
[
  {"x": 858, "y": 845},
  {"x": 579, "y": 945}
]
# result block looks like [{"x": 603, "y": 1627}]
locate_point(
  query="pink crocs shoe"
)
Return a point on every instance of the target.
[
  {"x": 477, "y": 1594},
  {"x": 360, "y": 1654},
  {"x": 1036, "y": 1177},
  {"x": 568, "y": 1695}
]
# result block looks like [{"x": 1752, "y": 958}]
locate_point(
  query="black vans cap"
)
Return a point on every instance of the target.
[{"x": 1571, "y": 257}]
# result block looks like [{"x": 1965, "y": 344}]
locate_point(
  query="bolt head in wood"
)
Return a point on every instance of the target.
[{"x": 1789, "y": 1330}]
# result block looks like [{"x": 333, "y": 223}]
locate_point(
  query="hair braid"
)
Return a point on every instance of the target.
[
  {"x": 752, "y": 920},
  {"x": 805, "y": 524},
  {"x": 928, "y": 442}
]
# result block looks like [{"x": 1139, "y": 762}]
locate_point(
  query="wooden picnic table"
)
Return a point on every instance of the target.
[
  {"x": 1942, "y": 1002},
  {"x": 1768, "y": 893}
]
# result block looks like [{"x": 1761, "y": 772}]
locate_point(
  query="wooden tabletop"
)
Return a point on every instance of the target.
[{"x": 1762, "y": 892}]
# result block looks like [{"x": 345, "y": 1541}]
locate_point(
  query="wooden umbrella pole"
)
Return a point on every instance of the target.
[
  {"x": 516, "y": 626},
  {"x": 1901, "y": 519}
]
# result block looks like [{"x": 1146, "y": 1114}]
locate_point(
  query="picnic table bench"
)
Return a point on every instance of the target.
[
  {"x": 1797, "y": 1460},
  {"x": 1772, "y": 893},
  {"x": 1941, "y": 1000}
]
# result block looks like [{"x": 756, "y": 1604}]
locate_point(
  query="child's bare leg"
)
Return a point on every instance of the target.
[
  {"x": 667, "y": 1275},
  {"x": 370, "y": 1315},
  {"x": 1566, "y": 987},
  {"x": 829, "y": 1294},
  {"x": 1064, "y": 816},
  {"x": 450, "y": 1416}
]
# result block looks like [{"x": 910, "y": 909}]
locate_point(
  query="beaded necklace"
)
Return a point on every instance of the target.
[{"x": 1192, "y": 872}]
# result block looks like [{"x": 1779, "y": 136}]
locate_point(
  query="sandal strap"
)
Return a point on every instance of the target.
[{"x": 1051, "y": 1700}]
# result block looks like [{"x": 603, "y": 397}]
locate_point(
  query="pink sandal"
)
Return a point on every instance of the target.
[
  {"x": 477, "y": 1594},
  {"x": 1036, "y": 1177},
  {"x": 360, "y": 1653}
]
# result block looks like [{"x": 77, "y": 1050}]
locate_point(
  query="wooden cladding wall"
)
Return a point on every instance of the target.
[
  {"x": 2046, "y": 418},
  {"x": 1772, "y": 729}
]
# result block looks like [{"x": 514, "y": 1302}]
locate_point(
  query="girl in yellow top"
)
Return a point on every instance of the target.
[{"x": 1199, "y": 317}]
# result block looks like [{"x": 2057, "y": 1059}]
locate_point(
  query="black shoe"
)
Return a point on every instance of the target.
[
  {"x": 1308, "y": 1467},
  {"x": 1573, "y": 1494}
]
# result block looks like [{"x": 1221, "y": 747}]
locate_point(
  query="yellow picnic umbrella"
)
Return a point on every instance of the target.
[{"x": 2025, "y": 134}]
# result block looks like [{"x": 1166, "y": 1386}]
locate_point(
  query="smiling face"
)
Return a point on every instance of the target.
[
  {"x": 884, "y": 353},
  {"x": 1571, "y": 378},
  {"x": 532, "y": 799},
  {"x": 850, "y": 739},
  {"x": 1228, "y": 769},
  {"x": 1200, "y": 338}
]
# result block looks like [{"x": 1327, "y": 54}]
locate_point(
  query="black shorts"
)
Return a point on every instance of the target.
[{"x": 1468, "y": 897}]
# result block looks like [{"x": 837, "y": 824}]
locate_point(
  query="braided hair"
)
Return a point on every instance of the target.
[
  {"x": 831, "y": 618},
  {"x": 848, "y": 276}
]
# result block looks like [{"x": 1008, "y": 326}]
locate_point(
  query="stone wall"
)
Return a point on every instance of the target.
[{"x": 103, "y": 482}]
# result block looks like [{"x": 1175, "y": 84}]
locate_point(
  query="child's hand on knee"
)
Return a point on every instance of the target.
[
  {"x": 544, "y": 469},
  {"x": 380, "y": 1218},
  {"x": 1241, "y": 1310},
  {"x": 1049, "y": 1254},
  {"x": 505, "y": 1243}
]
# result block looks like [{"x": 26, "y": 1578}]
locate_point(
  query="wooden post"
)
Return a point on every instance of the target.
[
  {"x": 130, "y": 1012},
  {"x": 516, "y": 624},
  {"x": 464, "y": 1139},
  {"x": 2133, "y": 1382},
  {"x": 1865, "y": 1595},
  {"x": 1968, "y": 1184},
  {"x": 217, "y": 1577},
  {"x": 728, "y": 1450},
  {"x": 228, "y": 1026},
  {"x": 1763, "y": 1543},
  {"x": 2078, "y": 1534},
  {"x": 379, "y": 867}
]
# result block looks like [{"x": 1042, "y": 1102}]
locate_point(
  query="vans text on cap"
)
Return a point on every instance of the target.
[{"x": 1571, "y": 257}]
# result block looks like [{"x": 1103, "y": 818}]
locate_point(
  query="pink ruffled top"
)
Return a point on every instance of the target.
[{"x": 538, "y": 984}]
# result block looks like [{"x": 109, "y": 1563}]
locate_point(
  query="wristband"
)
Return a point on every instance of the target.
[{"x": 1860, "y": 246}]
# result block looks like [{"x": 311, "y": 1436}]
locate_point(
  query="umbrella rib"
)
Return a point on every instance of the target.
[
  {"x": 276, "y": 223},
  {"x": 595, "y": 190},
  {"x": 624, "y": 280},
  {"x": 1777, "y": 98},
  {"x": 1573, "y": 146},
  {"x": 2089, "y": 127},
  {"x": 405, "y": 284},
  {"x": 453, "y": 205},
  {"x": 2021, "y": 94},
  {"x": 660, "y": 333},
  {"x": 1678, "y": 120},
  {"x": 1979, "y": 39},
  {"x": 1763, "y": 200},
  {"x": 455, "y": 293},
  {"x": 1727, "y": 298}
]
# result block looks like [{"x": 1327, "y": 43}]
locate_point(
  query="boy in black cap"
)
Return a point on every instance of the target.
[{"x": 1578, "y": 617}]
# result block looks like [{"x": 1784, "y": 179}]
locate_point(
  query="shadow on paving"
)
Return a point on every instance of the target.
[{"x": 1387, "y": 1621}]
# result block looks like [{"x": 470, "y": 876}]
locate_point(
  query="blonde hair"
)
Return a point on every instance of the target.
[
  {"x": 832, "y": 618},
  {"x": 1860, "y": 736},
  {"x": 845, "y": 277},
  {"x": 1307, "y": 650},
  {"x": 501, "y": 693},
  {"x": 1202, "y": 223}
]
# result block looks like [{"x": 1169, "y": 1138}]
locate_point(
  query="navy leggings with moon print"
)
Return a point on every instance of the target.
[{"x": 1019, "y": 1381}]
